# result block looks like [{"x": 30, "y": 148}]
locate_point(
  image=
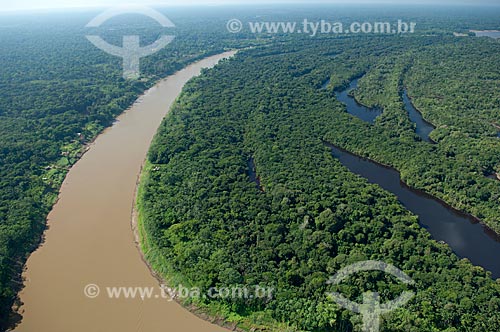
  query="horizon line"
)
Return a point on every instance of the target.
[{"x": 260, "y": 3}]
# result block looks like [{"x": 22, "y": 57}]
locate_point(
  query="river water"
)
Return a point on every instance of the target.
[
  {"x": 353, "y": 107},
  {"x": 367, "y": 114},
  {"x": 487, "y": 33},
  {"x": 90, "y": 238},
  {"x": 464, "y": 234},
  {"x": 422, "y": 127}
]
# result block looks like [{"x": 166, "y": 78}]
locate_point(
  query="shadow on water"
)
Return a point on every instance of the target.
[{"x": 467, "y": 237}]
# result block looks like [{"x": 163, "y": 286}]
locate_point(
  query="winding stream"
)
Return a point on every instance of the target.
[
  {"x": 90, "y": 238},
  {"x": 423, "y": 128},
  {"x": 353, "y": 107},
  {"x": 367, "y": 114},
  {"x": 253, "y": 174},
  {"x": 463, "y": 233}
]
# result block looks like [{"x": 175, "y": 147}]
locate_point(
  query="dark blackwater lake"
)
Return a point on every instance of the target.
[{"x": 464, "y": 234}]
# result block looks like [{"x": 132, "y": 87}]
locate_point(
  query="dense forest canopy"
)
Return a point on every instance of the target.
[
  {"x": 57, "y": 92},
  {"x": 308, "y": 217}
]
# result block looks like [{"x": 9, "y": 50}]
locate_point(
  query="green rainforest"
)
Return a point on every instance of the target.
[
  {"x": 265, "y": 112},
  {"x": 57, "y": 92},
  {"x": 240, "y": 188}
]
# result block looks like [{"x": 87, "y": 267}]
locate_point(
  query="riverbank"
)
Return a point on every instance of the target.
[
  {"x": 423, "y": 127},
  {"x": 157, "y": 265},
  {"x": 155, "y": 262},
  {"x": 466, "y": 235},
  {"x": 159, "y": 268},
  {"x": 89, "y": 240}
]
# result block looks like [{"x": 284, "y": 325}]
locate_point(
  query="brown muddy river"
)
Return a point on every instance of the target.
[{"x": 90, "y": 238}]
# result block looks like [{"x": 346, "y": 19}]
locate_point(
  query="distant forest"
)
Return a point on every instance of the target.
[{"x": 311, "y": 216}]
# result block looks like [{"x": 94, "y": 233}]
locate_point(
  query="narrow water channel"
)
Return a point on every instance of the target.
[
  {"x": 353, "y": 107},
  {"x": 90, "y": 239},
  {"x": 423, "y": 128},
  {"x": 252, "y": 173},
  {"x": 464, "y": 234},
  {"x": 367, "y": 114}
]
